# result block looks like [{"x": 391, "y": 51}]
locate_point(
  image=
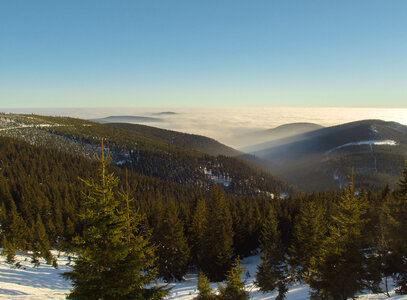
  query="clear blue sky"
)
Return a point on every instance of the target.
[{"x": 77, "y": 53}]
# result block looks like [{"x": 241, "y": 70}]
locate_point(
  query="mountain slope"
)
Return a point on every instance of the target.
[
  {"x": 179, "y": 139},
  {"x": 257, "y": 138},
  {"x": 323, "y": 159},
  {"x": 146, "y": 153}
]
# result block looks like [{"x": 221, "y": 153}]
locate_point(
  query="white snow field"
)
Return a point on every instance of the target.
[
  {"x": 370, "y": 143},
  {"x": 33, "y": 283},
  {"x": 45, "y": 283}
]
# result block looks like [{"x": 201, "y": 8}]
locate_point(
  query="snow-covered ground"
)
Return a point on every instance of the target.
[
  {"x": 45, "y": 283},
  {"x": 33, "y": 283}
]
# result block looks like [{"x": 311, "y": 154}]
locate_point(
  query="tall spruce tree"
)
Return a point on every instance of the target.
[
  {"x": 173, "y": 250},
  {"x": 14, "y": 232},
  {"x": 272, "y": 271},
  {"x": 10, "y": 223},
  {"x": 339, "y": 270},
  {"x": 197, "y": 230},
  {"x": 41, "y": 243},
  {"x": 219, "y": 238},
  {"x": 112, "y": 263},
  {"x": 386, "y": 258},
  {"x": 402, "y": 185},
  {"x": 309, "y": 232},
  {"x": 400, "y": 234}
]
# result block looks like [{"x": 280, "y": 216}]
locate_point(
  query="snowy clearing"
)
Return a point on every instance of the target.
[
  {"x": 45, "y": 283},
  {"x": 370, "y": 143}
]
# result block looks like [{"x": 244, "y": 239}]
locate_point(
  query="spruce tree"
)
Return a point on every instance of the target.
[
  {"x": 41, "y": 245},
  {"x": 9, "y": 250},
  {"x": 219, "y": 238},
  {"x": 386, "y": 258},
  {"x": 204, "y": 288},
  {"x": 9, "y": 223},
  {"x": 69, "y": 233},
  {"x": 234, "y": 286},
  {"x": 173, "y": 250},
  {"x": 197, "y": 230},
  {"x": 400, "y": 234},
  {"x": 309, "y": 232},
  {"x": 272, "y": 272},
  {"x": 339, "y": 270},
  {"x": 402, "y": 185},
  {"x": 111, "y": 264},
  {"x": 15, "y": 233}
]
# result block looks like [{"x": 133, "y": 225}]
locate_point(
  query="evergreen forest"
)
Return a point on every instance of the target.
[{"x": 135, "y": 223}]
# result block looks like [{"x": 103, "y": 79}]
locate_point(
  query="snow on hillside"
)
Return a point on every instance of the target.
[
  {"x": 370, "y": 143},
  {"x": 44, "y": 282}
]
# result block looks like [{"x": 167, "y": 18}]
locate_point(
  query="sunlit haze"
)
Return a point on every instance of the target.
[{"x": 226, "y": 124}]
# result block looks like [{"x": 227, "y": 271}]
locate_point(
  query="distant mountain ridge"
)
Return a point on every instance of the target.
[
  {"x": 291, "y": 129},
  {"x": 185, "y": 140},
  {"x": 322, "y": 159},
  {"x": 266, "y": 138},
  {"x": 165, "y": 113},
  {"x": 126, "y": 119}
]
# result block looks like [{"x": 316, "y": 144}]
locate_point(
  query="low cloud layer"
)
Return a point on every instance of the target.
[{"x": 227, "y": 125}]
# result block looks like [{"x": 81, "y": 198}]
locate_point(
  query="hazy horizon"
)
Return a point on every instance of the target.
[{"x": 227, "y": 124}]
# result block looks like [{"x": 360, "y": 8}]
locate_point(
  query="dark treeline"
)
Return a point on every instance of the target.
[
  {"x": 41, "y": 198},
  {"x": 339, "y": 242},
  {"x": 171, "y": 156}
]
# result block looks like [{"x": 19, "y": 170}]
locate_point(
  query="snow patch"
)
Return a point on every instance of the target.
[
  {"x": 27, "y": 282},
  {"x": 44, "y": 282},
  {"x": 224, "y": 180},
  {"x": 374, "y": 129},
  {"x": 369, "y": 142}
]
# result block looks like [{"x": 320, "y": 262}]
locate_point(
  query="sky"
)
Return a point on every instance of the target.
[{"x": 145, "y": 53}]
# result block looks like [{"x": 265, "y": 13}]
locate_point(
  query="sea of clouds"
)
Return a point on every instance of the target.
[{"x": 228, "y": 124}]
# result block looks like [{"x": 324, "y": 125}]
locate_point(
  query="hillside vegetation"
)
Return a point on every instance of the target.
[
  {"x": 148, "y": 151},
  {"x": 323, "y": 159}
]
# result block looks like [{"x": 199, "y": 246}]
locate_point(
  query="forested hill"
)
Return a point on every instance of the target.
[
  {"x": 323, "y": 159},
  {"x": 147, "y": 151},
  {"x": 42, "y": 194},
  {"x": 189, "y": 141}
]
